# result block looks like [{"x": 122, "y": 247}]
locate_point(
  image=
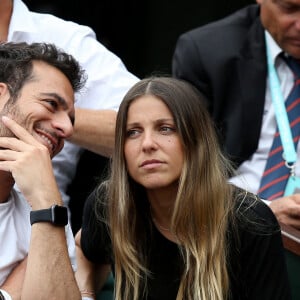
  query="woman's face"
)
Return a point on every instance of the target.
[{"x": 153, "y": 149}]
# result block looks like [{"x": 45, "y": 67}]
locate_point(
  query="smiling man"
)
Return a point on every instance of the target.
[{"x": 37, "y": 85}]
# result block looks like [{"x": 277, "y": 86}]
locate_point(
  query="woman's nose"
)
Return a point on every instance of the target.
[{"x": 149, "y": 142}]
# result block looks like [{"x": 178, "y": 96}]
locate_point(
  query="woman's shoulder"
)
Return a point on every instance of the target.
[
  {"x": 97, "y": 198},
  {"x": 253, "y": 214},
  {"x": 95, "y": 237}
]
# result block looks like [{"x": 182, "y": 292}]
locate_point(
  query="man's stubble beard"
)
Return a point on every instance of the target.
[{"x": 11, "y": 110}]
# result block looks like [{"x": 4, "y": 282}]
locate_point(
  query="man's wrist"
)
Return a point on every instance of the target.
[
  {"x": 56, "y": 215},
  {"x": 4, "y": 295}
]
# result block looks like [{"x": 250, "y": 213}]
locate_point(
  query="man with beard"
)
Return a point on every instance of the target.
[
  {"x": 37, "y": 85},
  {"x": 95, "y": 107}
]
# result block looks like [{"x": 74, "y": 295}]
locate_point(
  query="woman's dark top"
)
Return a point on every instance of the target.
[{"x": 256, "y": 260}]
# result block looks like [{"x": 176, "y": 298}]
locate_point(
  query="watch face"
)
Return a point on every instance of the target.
[{"x": 60, "y": 215}]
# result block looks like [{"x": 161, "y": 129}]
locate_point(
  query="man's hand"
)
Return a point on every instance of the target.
[
  {"x": 30, "y": 164},
  {"x": 287, "y": 210}
]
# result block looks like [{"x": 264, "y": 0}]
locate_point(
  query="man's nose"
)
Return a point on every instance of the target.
[{"x": 63, "y": 125}]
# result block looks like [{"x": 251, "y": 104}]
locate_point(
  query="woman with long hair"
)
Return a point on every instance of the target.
[{"x": 167, "y": 219}]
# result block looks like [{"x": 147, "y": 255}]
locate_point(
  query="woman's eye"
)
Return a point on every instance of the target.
[
  {"x": 167, "y": 129},
  {"x": 132, "y": 132}
]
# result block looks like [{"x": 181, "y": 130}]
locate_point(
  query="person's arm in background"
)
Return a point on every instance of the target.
[
  {"x": 90, "y": 277},
  {"x": 49, "y": 274},
  {"x": 95, "y": 130},
  {"x": 108, "y": 80}
]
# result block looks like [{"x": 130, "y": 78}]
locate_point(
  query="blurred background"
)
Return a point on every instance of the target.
[{"x": 142, "y": 33}]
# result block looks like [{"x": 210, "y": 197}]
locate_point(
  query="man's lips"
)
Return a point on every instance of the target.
[{"x": 50, "y": 142}]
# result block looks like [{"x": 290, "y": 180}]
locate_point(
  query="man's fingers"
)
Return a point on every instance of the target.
[
  {"x": 14, "y": 144},
  {"x": 287, "y": 210},
  {"x": 20, "y": 132}
]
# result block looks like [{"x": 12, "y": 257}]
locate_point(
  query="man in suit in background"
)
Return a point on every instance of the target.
[{"x": 226, "y": 60}]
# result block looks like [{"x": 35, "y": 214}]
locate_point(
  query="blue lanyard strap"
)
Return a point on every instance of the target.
[{"x": 290, "y": 155}]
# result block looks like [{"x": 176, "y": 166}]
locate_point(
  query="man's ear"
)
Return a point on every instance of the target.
[
  {"x": 3, "y": 89},
  {"x": 4, "y": 94}
]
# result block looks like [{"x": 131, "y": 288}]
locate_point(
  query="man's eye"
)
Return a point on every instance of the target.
[
  {"x": 288, "y": 8},
  {"x": 53, "y": 103}
]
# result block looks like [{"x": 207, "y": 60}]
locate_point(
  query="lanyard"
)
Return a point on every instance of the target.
[
  {"x": 290, "y": 155},
  {"x": 289, "y": 151}
]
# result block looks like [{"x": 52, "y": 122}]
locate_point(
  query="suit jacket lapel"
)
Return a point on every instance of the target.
[{"x": 252, "y": 73}]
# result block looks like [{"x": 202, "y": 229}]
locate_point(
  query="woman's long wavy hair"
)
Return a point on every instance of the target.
[{"x": 202, "y": 208}]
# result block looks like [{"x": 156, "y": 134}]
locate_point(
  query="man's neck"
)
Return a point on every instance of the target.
[
  {"x": 5, "y": 15},
  {"x": 6, "y": 185}
]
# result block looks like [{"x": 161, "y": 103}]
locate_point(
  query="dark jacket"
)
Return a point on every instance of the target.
[{"x": 226, "y": 61}]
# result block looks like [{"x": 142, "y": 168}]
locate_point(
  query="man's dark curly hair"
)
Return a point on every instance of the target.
[{"x": 16, "y": 64}]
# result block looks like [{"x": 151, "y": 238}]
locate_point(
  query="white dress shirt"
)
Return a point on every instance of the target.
[{"x": 250, "y": 172}]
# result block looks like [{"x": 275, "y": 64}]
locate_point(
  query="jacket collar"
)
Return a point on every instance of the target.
[{"x": 252, "y": 74}]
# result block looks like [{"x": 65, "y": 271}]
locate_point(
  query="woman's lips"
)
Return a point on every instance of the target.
[{"x": 150, "y": 164}]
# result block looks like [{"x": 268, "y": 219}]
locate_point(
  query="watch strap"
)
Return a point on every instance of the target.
[
  {"x": 42, "y": 215},
  {"x": 56, "y": 215}
]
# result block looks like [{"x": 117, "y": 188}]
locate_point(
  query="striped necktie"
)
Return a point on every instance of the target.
[{"x": 276, "y": 173}]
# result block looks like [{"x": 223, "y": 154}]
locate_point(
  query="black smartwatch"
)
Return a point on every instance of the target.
[{"x": 56, "y": 215}]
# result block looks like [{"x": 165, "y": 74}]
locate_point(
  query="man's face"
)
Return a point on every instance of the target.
[
  {"x": 45, "y": 107},
  {"x": 282, "y": 19}
]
